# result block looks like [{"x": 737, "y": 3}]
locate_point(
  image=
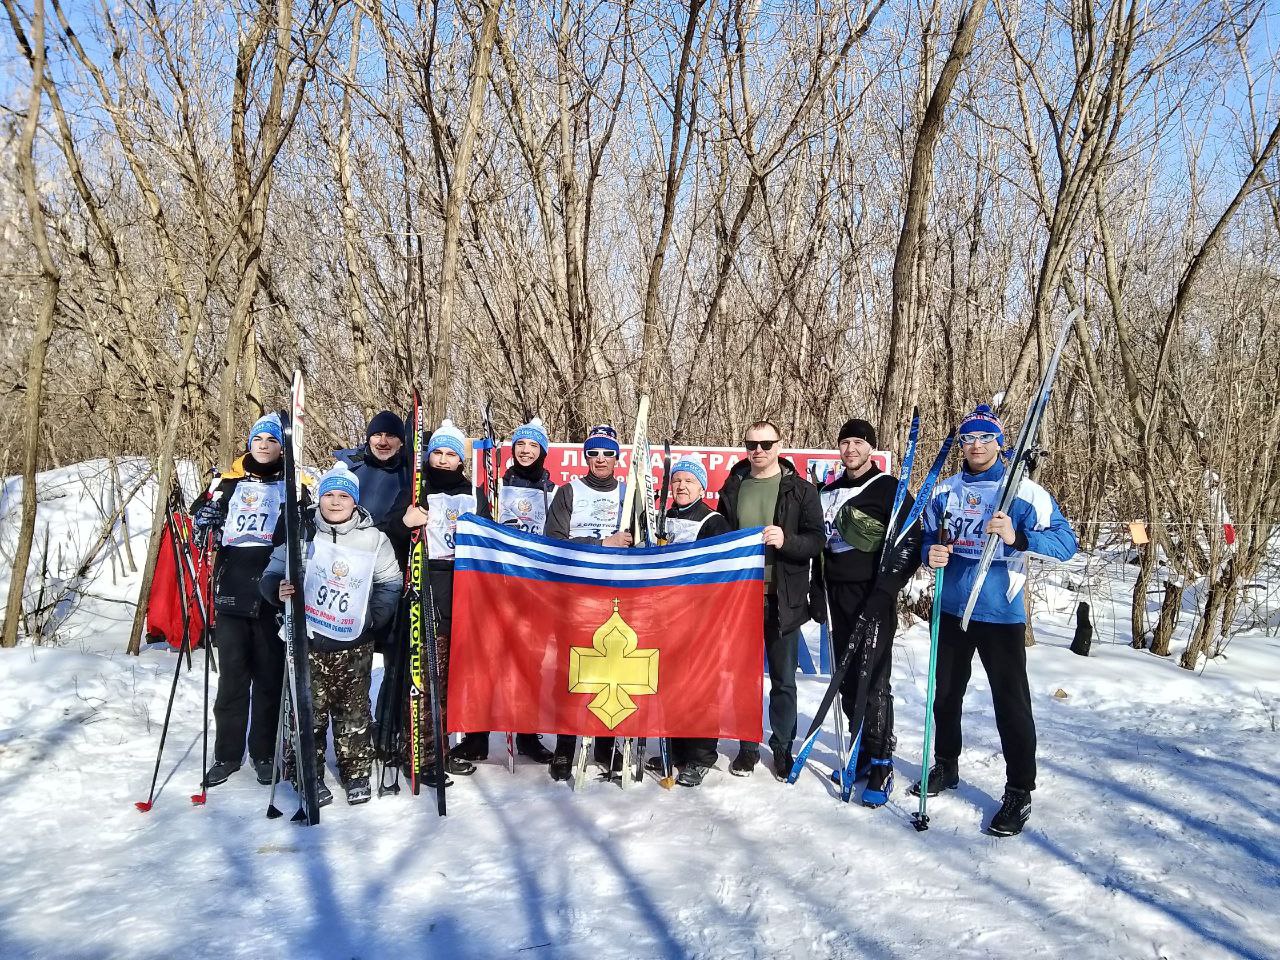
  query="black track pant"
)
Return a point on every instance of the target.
[
  {"x": 845, "y": 600},
  {"x": 1001, "y": 648},
  {"x": 250, "y": 672}
]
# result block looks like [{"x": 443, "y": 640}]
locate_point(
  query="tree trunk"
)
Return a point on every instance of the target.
[
  {"x": 1138, "y": 606},
  {"x": 52, "y": 279},
  {"x": 898, "y": 388},
  {"x": 1170, "y": 611},
  {"x": 458, "y": 180}
]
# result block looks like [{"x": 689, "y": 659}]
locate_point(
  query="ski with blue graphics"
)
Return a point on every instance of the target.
[
  {"x": 1024, "y": 454},
  {"x": 869, "y": 644},
  {"x": 837, "y": 675}
]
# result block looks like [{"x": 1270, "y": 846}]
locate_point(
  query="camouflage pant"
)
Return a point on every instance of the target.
[
  {"x": 428, "y": 741},
  {"x": 340, "y": 690}
]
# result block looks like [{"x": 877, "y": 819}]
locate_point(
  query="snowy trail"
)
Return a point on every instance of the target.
[{"x": 1153, "y": 835}]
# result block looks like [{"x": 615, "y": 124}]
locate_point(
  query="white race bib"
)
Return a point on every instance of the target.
[
  {"x": 523, "y": 507},
  {"x": 595, "y": 512},
  {"x": 684, "y": 531},
  {"x": 252, "y": 514},
  {"x": 443, "y": 512},
  {"x": 832, "y": 501},
  {"x": 336, "y": 588},
  {"x": 969, "y": 507}
]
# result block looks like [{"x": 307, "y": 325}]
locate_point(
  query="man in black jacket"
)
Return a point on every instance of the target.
[
  {"x": 862, "y": 596},
  {"x": 766, "y": 491}
]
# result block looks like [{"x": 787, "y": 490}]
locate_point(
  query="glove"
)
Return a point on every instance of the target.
[
  {"x": 208, "y": 516},
  {"x": 878, "y": 605},
  {"x": 817, "y": 610}
]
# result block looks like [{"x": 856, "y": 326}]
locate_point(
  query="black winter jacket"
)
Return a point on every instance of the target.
[{"x": 799, "y": 513}]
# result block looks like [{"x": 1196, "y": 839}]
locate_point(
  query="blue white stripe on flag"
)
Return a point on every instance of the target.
[{"x": 487, "y": 547}]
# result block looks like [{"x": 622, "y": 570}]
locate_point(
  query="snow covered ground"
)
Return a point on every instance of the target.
[{"x": 1154, "y": 832}]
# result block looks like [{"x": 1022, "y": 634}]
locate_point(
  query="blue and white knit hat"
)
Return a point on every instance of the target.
[
  {"x": 448, "y": 437},
  {"x": 340, "y": 479},
  {"x": 602, "y": 437},
  {"x": 533, "y": 430},
  {"x": 268, "y": 424},
  {"x": 691, "y": 467},
  {"x": 982, "y": 420}
]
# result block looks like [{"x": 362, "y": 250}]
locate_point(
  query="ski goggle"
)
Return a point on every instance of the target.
[
  {"x": 969, "y": 439},
  {"x": 759, "y": 444},
  {"x": 598, "y": 453}
]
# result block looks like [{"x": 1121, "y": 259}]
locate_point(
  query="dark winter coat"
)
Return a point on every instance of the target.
[
  {"x": 859, "y": 570},
  {"x": 382, "y": 485},
  {"x": 799, "y": 513}
]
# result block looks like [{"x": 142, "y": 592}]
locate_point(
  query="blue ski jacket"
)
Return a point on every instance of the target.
[{"x": 969, "y": 500}]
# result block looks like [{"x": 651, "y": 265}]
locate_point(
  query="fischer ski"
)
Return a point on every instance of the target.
[
  {"x": 668, "y": 778},
  {"x": 1024, "y": 454},
  {"x": 492, "y": 471},
  {"x": 297, "y": 666}
]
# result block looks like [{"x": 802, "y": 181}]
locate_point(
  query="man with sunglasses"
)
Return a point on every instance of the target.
[
  {"x": 589, "y": 510},
  {"x": 863, "y": 593},
  {"x": 1033, "y": 526},
  {"x": 764, "y": 490}
]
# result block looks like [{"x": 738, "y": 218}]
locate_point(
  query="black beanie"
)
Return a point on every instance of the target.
[
  {"x": 386, "y": 422},
  {"x": 859, "y": 430}
]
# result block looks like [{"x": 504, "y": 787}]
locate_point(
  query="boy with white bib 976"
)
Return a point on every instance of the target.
[{"x": 351, "y": 584}]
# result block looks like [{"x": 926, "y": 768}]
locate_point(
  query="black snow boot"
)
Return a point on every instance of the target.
[
  {"x": 744, "y": 762},
  {"x": 1012, "y": 815},
  {"x": 358, "y": 791},
  {"x": 264, "y": 769},
  {"x": 692, "y": 775},
  {"x": 220, "y": 771},
  {"x": 943, "y": 775},
  {"x": 561, "y": 767},
  {"x": 783, "y": 761},
  {"x": 324, "y": 795},
  {"x": 530, "y": 745},
  {"x": 472, "y": 746}
]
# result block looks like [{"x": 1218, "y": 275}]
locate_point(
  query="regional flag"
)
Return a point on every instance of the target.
[{"x": 558, "y": 637}]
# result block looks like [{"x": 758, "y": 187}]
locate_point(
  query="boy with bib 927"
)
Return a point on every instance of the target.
[{"x": 351, "y": 584}]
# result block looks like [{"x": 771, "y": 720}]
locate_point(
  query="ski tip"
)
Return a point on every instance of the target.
[
  {"x": 143, "y": 805},
  {"x": 199, "y": 798}
]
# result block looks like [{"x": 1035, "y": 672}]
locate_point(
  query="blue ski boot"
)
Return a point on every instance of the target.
[
  {"x": 860, "y": 772},
  {"x": 879, "y": 784}
]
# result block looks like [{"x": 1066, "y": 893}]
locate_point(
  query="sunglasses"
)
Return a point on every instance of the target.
[
  {"x": 598, "y": 454},
  {"x": 969, "y": 439},
  {"x": 759, "y": 444}
]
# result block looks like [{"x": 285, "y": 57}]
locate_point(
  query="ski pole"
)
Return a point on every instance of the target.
[
  {"x": 920, "y": 819},
  {"x": 277, "y": 760},
  {"x": 145, "y": 805}
]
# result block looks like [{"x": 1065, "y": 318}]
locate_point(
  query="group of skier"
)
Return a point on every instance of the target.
[{"x": 825, "y": 559}]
